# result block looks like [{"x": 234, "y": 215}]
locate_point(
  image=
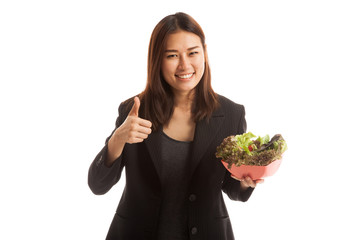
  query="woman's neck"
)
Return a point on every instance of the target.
[{"x": 183, "y": 101}]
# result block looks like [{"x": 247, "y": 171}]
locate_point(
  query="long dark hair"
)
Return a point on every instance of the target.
[{"x": 157, "y": 100}]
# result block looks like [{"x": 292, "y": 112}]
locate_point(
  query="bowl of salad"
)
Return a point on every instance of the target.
[{"x": 250, "y": 155}]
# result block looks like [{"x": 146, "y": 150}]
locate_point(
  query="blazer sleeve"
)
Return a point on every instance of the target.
[
  {"x": 100, "y": 177},
  {"x": 231, "y": 186}
]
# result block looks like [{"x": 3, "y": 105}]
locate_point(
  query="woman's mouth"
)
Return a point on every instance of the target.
[{"x": 184, "y": 76}]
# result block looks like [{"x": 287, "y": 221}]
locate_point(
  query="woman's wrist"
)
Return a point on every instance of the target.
[
  {"x": 243, "y": 186},
  {"x": 115, "y": 147}
]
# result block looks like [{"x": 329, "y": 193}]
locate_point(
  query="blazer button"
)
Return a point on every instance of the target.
[
  {"x": 192, "y": 197},
  {"x": 194, "y": 230}
]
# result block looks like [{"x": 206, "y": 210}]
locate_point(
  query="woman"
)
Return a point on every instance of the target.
[{"x": 166, "y": 139}]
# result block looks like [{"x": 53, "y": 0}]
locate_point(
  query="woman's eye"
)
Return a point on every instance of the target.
[
  {"x": 171, "y": 56},
  {"x": 193, "y": 53}
]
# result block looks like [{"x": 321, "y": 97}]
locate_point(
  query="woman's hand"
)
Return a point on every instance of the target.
[
  {"x": 247, "y": 182},
  {"x": 133, "y": 130}
]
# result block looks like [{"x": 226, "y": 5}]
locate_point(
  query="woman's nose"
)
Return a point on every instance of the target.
[{"x": 184, "y": 63}]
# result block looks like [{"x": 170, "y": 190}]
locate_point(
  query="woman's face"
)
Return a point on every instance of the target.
[{"x": 183, "y": 62}]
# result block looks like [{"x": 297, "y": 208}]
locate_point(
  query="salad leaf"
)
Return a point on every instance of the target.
[
  {"x": 263, "y": 140},
  {"x": 244, "y": 141}
]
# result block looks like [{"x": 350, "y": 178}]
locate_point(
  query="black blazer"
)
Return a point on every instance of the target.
[{"x": 137, "y": 214}]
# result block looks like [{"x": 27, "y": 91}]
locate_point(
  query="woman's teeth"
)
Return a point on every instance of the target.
[{"x": 185, "y": 76}]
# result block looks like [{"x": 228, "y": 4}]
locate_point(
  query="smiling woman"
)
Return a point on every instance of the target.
[{"x": 166, "y": 138}]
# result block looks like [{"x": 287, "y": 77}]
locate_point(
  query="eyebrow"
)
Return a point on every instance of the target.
[{"x": 189, "y": 49}]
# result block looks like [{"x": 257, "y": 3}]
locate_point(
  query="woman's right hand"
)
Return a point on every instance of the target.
[{"x": 133, "y": 130}]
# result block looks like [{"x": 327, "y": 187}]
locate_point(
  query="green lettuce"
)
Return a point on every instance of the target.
[{"x": 244, "y": 141}]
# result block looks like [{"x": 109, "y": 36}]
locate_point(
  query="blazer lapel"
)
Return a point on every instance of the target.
[
  {"x": 204, "y": 134},
  {"x": 154, "y": 148}
]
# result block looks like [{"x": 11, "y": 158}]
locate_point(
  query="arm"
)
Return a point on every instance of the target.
[
  {"x": 102, "y": 175},
  {"x": 105, "y": 171}
]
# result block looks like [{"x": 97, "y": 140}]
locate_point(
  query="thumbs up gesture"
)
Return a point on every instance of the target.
[{"x": 134, "y": 129}]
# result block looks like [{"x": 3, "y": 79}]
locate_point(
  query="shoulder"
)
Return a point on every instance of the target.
[
  {"x": 125, "y": 106},
  {"x": 124, "y": 109},
  {"x": 228, "y": 106},
  {"x": 234, "y": 115}
]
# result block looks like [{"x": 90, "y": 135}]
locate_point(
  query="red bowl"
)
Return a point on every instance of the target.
[{"x": 255, "y": 172}]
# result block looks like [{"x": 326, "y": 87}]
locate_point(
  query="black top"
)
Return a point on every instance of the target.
[{"x": 174, "y": 179}]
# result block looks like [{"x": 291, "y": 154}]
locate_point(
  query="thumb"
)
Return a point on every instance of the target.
[{"x": 135, "y": 108}]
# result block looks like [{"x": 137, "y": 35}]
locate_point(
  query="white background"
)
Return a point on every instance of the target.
[{"x": 66, "y": 65}]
